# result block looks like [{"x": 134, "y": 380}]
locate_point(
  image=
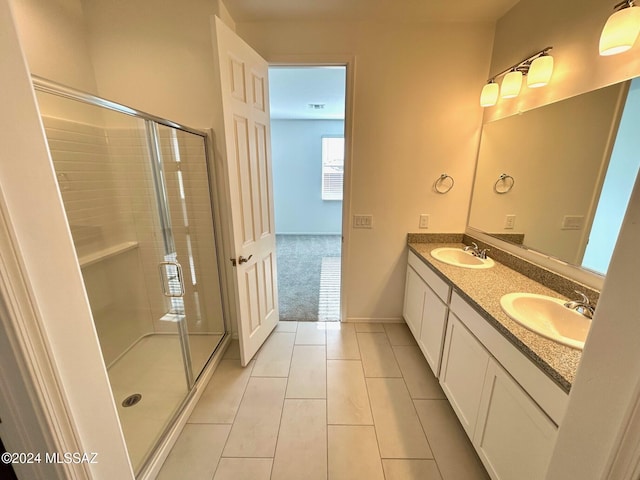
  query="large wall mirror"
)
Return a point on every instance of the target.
[{"x": 557, "y": 179}]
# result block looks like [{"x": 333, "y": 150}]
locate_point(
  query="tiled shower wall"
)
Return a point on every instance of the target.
[
  {"x": 99, "y": 210},
  {"x": 107, "y": 186}
]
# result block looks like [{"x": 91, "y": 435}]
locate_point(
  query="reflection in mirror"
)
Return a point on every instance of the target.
[{"x": 574, "y": 164}]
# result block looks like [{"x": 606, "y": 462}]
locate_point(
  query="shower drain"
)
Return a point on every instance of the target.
[{"x": 131, "y": 400}]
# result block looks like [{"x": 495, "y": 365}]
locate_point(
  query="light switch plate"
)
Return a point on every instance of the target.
[
  {"x": 509, "y": 222},
  {"x": 572, "y": 222},
  {"x": 424, "y": 221},
  {"x": 363, "y": 221}
]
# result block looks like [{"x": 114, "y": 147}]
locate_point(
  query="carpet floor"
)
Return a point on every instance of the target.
[{"x": 309, "y": 277}]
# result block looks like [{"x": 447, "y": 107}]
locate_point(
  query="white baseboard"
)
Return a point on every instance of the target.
[
  {"x": 374, "y": 320},
  {"x": 308, "y": 233}
]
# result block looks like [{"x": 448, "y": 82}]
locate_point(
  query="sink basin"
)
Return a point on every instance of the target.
[
  {"x": 460, "y": 258},
  {"x": 547, "y": 316}
]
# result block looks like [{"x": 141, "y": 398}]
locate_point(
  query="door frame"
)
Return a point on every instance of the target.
[{"x": 349, "y": 62}]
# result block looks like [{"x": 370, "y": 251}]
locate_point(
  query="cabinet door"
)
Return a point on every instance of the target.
[
  {"x": 414, "y": 293},
  {"x": 514, "y": 438},
  {"x": 434, "y": 321},
  {"x": 464, "y": 365}
]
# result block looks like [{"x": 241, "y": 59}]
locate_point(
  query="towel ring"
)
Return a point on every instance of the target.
[
  {"x": 439, "y": 185},
  {"x": 504, "y": 184}
]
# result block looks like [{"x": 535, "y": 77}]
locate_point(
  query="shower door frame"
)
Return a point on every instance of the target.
[{"x": 151, "y": 121}]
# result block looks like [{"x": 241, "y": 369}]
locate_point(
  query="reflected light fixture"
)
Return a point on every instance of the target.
[
  {"x": 621, "y": 30},
  {"x": 538, "y": 68}
]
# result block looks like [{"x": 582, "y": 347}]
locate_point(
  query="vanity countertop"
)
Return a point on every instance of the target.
[{"x": 483, "y": 289}]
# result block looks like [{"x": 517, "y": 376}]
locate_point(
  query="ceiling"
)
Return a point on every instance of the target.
[
  {"x": 310, "y": 93},
  {"x": 292, "y": 90},
  {"x": 381, "y": 10}
]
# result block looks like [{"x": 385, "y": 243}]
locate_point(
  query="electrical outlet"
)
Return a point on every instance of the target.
[
  {"x": 509, "y": 222},
  {"x": 424, "y": 221},
  {"x": 362, "y": 221}
]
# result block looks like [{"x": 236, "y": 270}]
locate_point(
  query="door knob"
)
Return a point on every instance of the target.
[{"x": 241, "y": 260}]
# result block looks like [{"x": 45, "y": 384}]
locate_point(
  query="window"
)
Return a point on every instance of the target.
[{"x": 332, "y": 167}]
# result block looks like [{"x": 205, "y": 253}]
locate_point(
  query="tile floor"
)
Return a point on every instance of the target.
[{"x": 325, "y": 401}]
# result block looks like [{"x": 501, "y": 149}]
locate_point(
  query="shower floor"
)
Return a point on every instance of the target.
[{"x": 153, "y": 368}]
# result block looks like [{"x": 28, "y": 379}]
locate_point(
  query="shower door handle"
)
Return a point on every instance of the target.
[{"x": 166, "y": 279}]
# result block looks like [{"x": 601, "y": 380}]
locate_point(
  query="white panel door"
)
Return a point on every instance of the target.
[{"x": 247, "y": 131}]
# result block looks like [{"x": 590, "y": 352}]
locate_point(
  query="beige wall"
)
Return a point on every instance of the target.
[
  {"x": 573, "y": 28},
  {"x": 414, "y": 117},
  {"x": 45, "y": 251},
  {"x": 155, "y": 56},
  {"x": 54, "y": 37},
  {"x": 607, "y": 382}
]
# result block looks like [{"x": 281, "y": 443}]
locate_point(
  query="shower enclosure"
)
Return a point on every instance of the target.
[{"x": 136, "y": 191}]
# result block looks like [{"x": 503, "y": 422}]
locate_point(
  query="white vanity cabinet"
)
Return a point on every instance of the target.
[
  {"x": 425, "y": 309},
  {"x": 414, "y": 292},
  {"x": 511, "y": 428},
  {"x": 464, "y": 365},
  {"x": 508, "y": 406},
  {"x": 513, "y": 437}
]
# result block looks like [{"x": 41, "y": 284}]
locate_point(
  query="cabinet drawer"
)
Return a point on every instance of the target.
[{"x": 439, "y": 286}]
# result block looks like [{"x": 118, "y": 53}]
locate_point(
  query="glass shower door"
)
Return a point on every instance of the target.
[
  {"x": 188, "y": 200},
  {"x": 139, "y": 210}
]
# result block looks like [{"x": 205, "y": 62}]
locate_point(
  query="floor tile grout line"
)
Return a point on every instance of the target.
[
  {"x": 373, "y": 420},
  {"x": 252, "y": 363},
  {"x": 435, "y": 460},
  {"x": 284, "y": 399},
  {"x": 413, "y": 402},
  {"x": 326, "y": 389},
  {"x": 414, "y": 406}
]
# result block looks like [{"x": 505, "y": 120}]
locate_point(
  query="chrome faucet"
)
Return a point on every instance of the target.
[
  {"x": 474, "y": 250},
  {"x": 582, "y": 305}
]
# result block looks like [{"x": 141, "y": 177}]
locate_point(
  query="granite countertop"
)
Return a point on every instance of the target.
[{"x": 483, "y": 289}]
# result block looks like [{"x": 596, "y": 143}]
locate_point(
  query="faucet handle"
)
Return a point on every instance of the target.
[
  {"x": 583, "y": 298},
  {"x": 483, "y": 253},
  {"x": 473, "y": 246}
]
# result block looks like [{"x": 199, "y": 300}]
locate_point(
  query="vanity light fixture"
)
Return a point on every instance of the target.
[
  {"x": 511, "y": 84},
  {"x": 621, "y": 30},
  {"x": 489, "y": 95},
  {"x": 540, "y": 71},
  {"x": 539, "y": 66}
]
